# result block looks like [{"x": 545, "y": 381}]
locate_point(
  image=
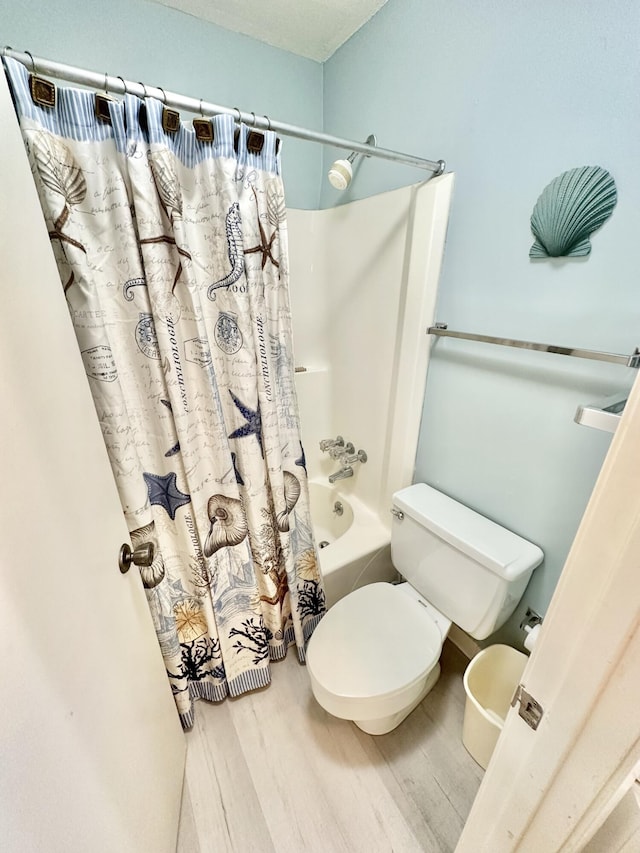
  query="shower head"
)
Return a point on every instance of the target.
[{"x": 341, "y": 171}]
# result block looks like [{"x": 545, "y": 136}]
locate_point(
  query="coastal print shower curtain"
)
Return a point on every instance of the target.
[{"x": 172, "y": 251}]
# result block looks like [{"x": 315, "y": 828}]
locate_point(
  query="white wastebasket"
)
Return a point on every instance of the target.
[{"x": 490, "y": 680}]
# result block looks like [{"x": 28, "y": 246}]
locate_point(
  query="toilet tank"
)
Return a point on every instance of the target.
[{"x": 470, "y": 568}]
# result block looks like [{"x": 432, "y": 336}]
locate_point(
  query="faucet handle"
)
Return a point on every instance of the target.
[
  {"x": 339, "y": 451},
  {"x": 328, "y": 443},
  {"x": 360, "y": 456}
]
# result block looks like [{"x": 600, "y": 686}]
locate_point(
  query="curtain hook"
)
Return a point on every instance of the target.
[
  {"x": 43, "y": 92},
  {"x": 33, "y": 64},
  {"x": 201, "y": 113},
  {"x": 106, "y": 85},
  {"x": 144, "y": 88},
  {"x": 268, "y": 122},
  {"x": 124, "y": 85},
  {"x": 239, "y": 115},
  {"x": 164, "y": 95},
  {"x": 5, "y": 49},
  {"x": 254, "y": 119}
]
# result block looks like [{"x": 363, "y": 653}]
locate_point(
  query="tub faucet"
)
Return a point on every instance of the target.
[
  {"x": 341, "y": 474},
  {"x": 345, "y": 469}
]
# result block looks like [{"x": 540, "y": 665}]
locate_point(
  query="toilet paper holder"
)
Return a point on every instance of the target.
[
  {"x": 531, "y": 619},
  {"x": 531, "y": 626}
]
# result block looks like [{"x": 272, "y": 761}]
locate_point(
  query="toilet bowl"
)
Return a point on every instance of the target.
[{"x": 375, "y": 655}]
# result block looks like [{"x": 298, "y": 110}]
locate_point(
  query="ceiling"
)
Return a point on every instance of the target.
[{"x": 311, "y": 28}]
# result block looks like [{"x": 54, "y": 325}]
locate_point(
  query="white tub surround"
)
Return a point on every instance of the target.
[{"x": 364, "y": 281}]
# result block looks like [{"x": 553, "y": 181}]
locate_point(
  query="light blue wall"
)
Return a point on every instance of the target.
[
  {"x": 160, "y": 46},
  {"x": 510, "y": 94}
]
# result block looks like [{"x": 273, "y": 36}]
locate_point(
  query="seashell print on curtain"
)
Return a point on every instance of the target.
[{"x": 173, "y": 255}]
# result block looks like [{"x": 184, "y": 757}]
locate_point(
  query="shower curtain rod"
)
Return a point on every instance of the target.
[{"x": 116, "y": 85}]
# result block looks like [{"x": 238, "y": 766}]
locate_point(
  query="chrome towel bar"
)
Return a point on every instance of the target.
[{"x": 442, "y": 331}]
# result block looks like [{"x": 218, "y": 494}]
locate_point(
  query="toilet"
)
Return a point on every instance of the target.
[{"x": 375, "y": 655}]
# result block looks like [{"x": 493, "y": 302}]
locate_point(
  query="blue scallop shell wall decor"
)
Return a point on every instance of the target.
[{"x": 569, "y": 209}]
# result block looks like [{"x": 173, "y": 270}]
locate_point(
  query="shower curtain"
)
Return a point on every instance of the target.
[{"x": 172, "y": 251}]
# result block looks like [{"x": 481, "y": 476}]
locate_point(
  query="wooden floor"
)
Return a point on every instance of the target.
[{"x": 274, "y": 773}]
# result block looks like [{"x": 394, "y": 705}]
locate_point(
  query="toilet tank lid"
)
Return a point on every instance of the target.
[{"x": 493, "y": 546}]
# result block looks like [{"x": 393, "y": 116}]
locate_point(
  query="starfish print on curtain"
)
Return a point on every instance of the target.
[
  {"x": 253, "y": 425},
  {"x": 302, "y": 460},
  {"x": 164, "y": 492},
  {"x": 265, "y": 246}
]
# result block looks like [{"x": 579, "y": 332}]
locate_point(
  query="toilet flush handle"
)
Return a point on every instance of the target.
[{"x": 397, "y": 513}]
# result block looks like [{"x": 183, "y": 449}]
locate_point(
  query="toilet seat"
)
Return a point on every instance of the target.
[{"x": 370, "y": 650}]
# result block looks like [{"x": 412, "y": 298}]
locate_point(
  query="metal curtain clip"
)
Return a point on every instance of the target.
[
  {"x": 102, "y": 101},
  {"x": 203, "y": 127},
  {"x": 43, "y": 92}
]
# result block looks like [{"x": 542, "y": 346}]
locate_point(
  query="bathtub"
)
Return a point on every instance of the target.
[{"x": 357, "y": 549}]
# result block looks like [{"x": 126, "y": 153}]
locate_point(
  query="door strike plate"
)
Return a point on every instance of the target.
[{"x": 530, "y": 710}]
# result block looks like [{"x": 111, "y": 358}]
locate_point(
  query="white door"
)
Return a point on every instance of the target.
[
  {"x": 91, "y": 750},
  {"x": 550, "y": 789}
]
